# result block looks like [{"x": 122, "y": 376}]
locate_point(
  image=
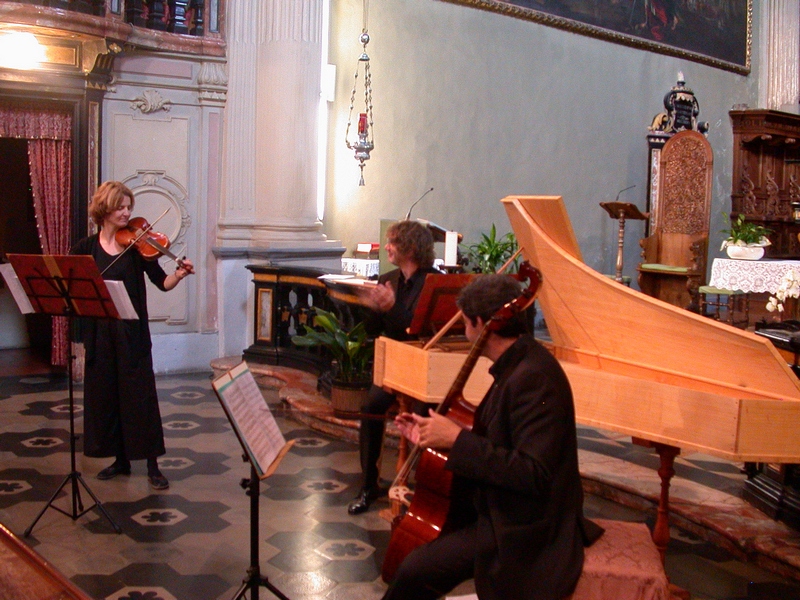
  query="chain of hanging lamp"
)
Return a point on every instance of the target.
[{"x": 364, "y": 143}]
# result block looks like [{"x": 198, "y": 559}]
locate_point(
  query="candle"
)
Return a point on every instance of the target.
[
  {"x": 362, "y": 124},
  {"x": 451, "y": 249}
]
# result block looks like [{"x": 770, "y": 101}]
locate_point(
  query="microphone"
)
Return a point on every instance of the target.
[
  {"x": 624, "y": 190},
  {"x": 408, "y": 214}
]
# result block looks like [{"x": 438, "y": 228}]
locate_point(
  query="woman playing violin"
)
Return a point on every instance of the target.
[{"x": 121, "y": 414}]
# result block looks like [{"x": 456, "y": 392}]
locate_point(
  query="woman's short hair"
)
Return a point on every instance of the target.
[
  {"x": 414, "y": 241},
  {"x": 107, "y": 199},
  {"x": 485, "y": 295}
]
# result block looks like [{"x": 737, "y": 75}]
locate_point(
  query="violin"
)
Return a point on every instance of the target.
[{"x": 150, "y": 244}]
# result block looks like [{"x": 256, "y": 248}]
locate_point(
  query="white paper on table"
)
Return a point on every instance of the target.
[
  {"x": 347, "y": 279},
  {"x": 16, "y": 289}
]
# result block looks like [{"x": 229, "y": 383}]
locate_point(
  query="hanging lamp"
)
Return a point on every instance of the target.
[{"x": 363, "y": 143}]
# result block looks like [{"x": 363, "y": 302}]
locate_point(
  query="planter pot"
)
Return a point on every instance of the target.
[
  {"x": 745, "y": 252},
  {"x": 348, "y": 397}
]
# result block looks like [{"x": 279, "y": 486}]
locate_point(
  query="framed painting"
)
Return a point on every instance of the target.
[
  {"x": 264, "y": 315},
  {"x": 713, "y": 32}
]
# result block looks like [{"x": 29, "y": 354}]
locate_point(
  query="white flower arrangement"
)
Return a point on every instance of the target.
[{"x": 788, "y": 288}]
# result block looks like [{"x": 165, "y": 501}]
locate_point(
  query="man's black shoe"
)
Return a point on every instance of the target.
[
  {"x": 114, "y": 470},
  {"x": 362, "y": 501}
]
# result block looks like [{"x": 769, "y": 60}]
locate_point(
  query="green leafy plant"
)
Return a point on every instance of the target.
[
  {"x": 745, "y": 233},
  {"x": 491, "y": 252},
  {"x": 352, "y": 350}
]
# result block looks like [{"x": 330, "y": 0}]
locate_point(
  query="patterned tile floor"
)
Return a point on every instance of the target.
[{"x": 191, "y": 542}]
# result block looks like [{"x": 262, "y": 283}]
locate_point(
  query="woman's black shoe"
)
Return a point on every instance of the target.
[
  {"x": 158, "y": 482},
  {"x": 114, "y": 470}
]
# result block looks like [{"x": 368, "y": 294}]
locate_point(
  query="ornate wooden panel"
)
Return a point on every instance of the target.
[{"x": 766, "y": 174}]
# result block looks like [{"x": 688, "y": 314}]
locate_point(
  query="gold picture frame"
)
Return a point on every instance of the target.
[{"x": 713, "y": 32}]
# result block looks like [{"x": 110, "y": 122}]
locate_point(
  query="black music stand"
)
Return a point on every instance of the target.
[
  {"x": 622, "y": 211},
  {"x": 254, "y": 579},
  {"x": 66, "y": 286},
  {"x": 264, "y": 448}
]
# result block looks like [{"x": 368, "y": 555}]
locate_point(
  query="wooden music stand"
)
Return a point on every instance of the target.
[
  {"x": 437, "y": 302},
  {"x": 622, "y": 211},
  {"x": 66, "y": 286}
]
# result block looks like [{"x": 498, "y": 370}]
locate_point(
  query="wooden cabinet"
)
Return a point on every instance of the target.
[
  {"x": 285, "y": 299},
  {"x": 766, "y": 174}
]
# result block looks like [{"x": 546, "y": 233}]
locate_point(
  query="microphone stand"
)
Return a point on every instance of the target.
[{"x": 408, "y": 214}]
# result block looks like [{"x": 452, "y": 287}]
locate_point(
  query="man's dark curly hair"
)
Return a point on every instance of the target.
[
  {"x": 487, "y": 294},
  {"x": 413, "y": 240}
]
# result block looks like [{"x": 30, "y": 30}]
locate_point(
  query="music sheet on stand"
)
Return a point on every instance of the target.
[
  {"x": 16, "y": 289},
  {"x": 250, "y": 416}
]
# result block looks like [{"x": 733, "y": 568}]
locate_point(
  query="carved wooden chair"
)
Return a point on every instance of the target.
[{"x": 674, "y": 255}]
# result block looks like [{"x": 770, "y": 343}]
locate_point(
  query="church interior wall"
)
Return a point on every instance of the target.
[
  {"x": 481, "y": 105},
  {"x": 475, "y": 104},
  {"x": 157, "y": 138}
]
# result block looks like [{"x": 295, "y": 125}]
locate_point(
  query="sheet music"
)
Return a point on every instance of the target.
[
  {"x": 122, "y": 301},
  {"x": 15, "y": 287},
  {"x": 347, "y": 280},
  {"x": 250, "y": 416}
]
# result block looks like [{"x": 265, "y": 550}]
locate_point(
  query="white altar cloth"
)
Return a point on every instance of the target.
[{"x": 750, "y": 275}]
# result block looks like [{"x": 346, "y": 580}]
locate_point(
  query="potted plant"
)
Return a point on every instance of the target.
[
  {"x": 746, "y": 239},
  {"x": 351, "y": 351},
  {"x": 491, "y": 252}
]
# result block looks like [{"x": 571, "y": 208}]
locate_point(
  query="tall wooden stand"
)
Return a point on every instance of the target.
[{"x": 622, "y": 211}]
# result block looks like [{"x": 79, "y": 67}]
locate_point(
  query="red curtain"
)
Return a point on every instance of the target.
[
  {"x": 49, "y": 135},
  {"x": 51, "y": 171}
]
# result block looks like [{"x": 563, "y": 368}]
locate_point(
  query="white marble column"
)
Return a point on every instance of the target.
[
  {"x": 268, "y": 209},
  {"x": 270, "y": 167},
  {"x": 779, "y": 85}
]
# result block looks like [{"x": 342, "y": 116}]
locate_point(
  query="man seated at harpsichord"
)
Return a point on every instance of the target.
[
  {"x": 517, "y": 526},
  {"x": 409, "y": 245}
]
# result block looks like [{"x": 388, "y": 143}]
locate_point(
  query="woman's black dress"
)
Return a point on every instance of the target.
[{"x": 121, "y": 415}]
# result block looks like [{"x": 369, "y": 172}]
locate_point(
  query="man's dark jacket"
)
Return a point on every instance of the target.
[{"x": 522, "y": 459}]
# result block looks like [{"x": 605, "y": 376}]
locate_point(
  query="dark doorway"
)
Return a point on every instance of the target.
[{"x": 18, "y": 232}]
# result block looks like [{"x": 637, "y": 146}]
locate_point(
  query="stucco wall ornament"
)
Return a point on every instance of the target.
[
  {"x": 157, "y": 191},
  {"x": 151, "y": 101},
  {"x": 212, "y": 82}
]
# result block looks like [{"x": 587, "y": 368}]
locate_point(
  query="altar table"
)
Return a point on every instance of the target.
[{"x": 751, "y": 276}]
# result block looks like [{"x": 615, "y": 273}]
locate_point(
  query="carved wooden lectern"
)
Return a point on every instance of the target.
[{"x": 622, "y": 211}]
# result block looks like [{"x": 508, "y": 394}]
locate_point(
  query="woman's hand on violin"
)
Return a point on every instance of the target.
[
  {"x": 435, "y": 431},
  {"x": 185, "y": 268}
]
